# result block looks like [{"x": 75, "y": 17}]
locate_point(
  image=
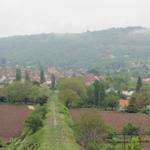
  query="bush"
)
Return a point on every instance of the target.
[
  {"x": 90, "y": 128},
  {"x": 34, "y": 122},
  {"x": 41, "y": 110},
  {"x": 130, "y": 129},
  {"x": 134, "y": 144}
]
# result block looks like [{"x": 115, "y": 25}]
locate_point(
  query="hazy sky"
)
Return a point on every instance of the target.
[{"x": 38, "y": 16}]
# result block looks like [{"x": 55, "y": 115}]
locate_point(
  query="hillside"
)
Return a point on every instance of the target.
[{"x": 106, "y": 50}]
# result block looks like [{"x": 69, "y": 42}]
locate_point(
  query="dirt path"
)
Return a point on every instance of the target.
[
  {"x": 54, "y": 115},
  {"x": 61, "y": 137}
]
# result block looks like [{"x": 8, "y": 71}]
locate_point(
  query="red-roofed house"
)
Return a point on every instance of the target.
[{"x": 123, "y": 103}]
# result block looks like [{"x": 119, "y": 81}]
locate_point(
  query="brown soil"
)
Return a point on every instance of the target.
[{"x": 12, "y": 119}]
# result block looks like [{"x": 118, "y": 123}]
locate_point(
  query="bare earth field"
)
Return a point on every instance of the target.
[
  {"x": 12, "y": 119},
  {"x": 117, "y": 120}
]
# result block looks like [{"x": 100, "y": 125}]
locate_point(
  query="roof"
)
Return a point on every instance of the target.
[{"x": 123, "y": 103}]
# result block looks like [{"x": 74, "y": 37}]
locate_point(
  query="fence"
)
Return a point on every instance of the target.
[{"x": 124, "y": 139}]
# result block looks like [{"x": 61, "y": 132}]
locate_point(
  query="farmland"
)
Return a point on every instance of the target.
[
  {"x": 116, "y": 120},
  {"x": 12, "y": 119}
]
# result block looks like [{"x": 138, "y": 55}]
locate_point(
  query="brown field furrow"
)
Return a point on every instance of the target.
[
  {"x": 12, "y": 119},
  {"x": 117, "y": 120}
]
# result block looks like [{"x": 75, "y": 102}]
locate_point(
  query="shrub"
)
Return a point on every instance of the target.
[
  {"x": 134, "y": 144},
  {"x": 34, "y": 122},
  {"x": 90, "y": 128},
  {"x": 130, "y": 129}
]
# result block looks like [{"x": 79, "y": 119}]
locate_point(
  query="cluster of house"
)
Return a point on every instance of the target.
[{"x": 9, "y": 75}]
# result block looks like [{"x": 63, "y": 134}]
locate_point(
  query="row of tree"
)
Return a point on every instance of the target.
[
  {"x": 74, "y": 92},
  {"x": 24, "y": 92},
  {"x": 28, "y": 78}
]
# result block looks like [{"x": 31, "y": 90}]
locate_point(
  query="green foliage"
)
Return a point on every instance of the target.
[
  {"x": 27, "y": 77},
  {"x": 34, "y": 122},
  {"x": 53, "y": 81},
  {"x": 90, "y": 128},
  {"x": 134, "y": 144},
  {"x": 111, "y": 101},
  {"x": 139, "y": 84},
  {"x": 90, "y": 96},
  {"x": 130, "y": 129},
  {"x": 68, "y": 96},
  {"x": 144, "y": 96},
  {"x": 133, "y": 104},
  {"x": 42, "y": 76},
  {"x": 71, "y": 90},
  {"x": 18, "y": 74},
  {"x": 25, "y": 92},
  {"x": 99, "y": 92},
  {"x": 98, "y": 48}
]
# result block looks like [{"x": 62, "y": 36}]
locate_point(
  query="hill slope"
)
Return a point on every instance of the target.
[{"x": 106, "y": 50}]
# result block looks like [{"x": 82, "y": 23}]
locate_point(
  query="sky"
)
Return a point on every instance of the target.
[{"x": 19, "y": 17}]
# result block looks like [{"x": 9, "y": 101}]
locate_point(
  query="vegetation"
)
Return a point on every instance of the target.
[
  {"x": 134, "y": 144},
  {"x": 50, "y": 135},
  {"x": 111, "y": 101},
  {"x": 35, "y": 120},
  {"x": 18, "y": 74},
  {"x": 72, "y": 91},
  {"x": 24, "y": 92},
  {"x": 130, "y": 129},
  {"x": 42, "y": 76},
  {"x": 107, "y": 50},
  {"x": 90, "y": 129}
]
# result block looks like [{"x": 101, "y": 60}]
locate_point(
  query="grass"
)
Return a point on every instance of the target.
[{"x": 56, "y": 134}]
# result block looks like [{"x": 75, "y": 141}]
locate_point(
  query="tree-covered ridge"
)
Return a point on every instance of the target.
[{"x": 105, "y": 50}]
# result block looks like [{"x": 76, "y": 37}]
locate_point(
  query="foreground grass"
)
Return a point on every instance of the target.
[{"x": 56, "y": 134}]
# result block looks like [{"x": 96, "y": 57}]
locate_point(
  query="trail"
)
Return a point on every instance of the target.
[{"x": 61, "y": 137}]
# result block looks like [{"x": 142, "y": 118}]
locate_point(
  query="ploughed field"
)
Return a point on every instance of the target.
[
  {"x": 117, "y": 120},
  {"x": 12, "y": 118}
]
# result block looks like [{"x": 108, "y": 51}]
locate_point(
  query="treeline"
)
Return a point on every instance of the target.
[
  {"x": 24, "y": 92},
  {"x": 104, "y": 93},
  {"x": 74, "y": 93}
]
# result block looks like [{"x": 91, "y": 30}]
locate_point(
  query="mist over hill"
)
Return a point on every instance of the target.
[{"x": 106, "y": 50}]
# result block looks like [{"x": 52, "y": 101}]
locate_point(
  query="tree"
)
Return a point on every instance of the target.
[
  {"x": 75, "y": 87},
  {"x": 68, "y": 96},
  {"x": 27, "y": 77},
  {"x": 133, "y": 104},
  {"x": 134, "y": 144},
  {"x": 90, "y": 128},
  {"x": 42, "y": 76},
  {"x": 90, "y": 94},
  {"x": 18, "y": 92},
  {"x": 139, "y": 84},
  {"x": 111, "y": 101},
  {"x": 130, "y": 129},
  {"x": 144, "y": 96},
  {"x": 34, "y": 122},
  {"x": 99, "y": 92},
  {"x": 18, "y": 74},
  {"x": 53, "y": 81}
]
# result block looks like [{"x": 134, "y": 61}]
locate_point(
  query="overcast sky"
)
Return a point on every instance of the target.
[{"x": 44, "y": 16}]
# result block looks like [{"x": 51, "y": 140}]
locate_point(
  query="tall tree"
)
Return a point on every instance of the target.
[
  {"x": 42, "y": 76},
  {"x": 18, "y": 74},
  {"x": 53, "y": 81},
  {"x": 139, "y": 84},
  {"x": 27, "y": 77},
  {"x": 99, "y": 92}
]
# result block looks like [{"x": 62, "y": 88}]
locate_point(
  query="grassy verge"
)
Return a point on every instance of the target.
[{"x": 56, "y": 134}]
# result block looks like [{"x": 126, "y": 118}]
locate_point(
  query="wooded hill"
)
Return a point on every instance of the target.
[{"x": 106, "y": 50}]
